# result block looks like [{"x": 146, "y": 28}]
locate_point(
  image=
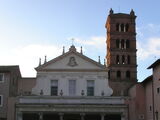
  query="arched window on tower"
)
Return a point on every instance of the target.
[
  {"x": 123, "y": 59},
  {"x": 122, "y": 43},
  {"x": 127, "y": 44},
  {"x": 117, "y": 43},
  {"x": 122, "y": 27},
  {"x": 117, "y": 27},
  {"x": 128, "y": 74},
  {"x": 127, "y": 27},
  {"x": 118, "y": 74},
  {"x": 128, "y": 59},
  {"x": 117, "y": 59}
]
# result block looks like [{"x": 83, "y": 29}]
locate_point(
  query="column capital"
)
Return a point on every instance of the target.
[
  {"x": 40, "y": 115},
  {"x": 122, "y": 116},
  {"x": 102, "y": 116},
  {"x": 61, "y": 114},
  {"x": 82, "y": 114}
]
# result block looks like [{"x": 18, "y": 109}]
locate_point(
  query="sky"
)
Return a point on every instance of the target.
[{"x": 31, "y": 29}]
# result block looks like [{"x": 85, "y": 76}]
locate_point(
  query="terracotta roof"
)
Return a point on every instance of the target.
[
  {"x": 29, "y": 78},
  {"x": 13, "y": 69},
  {"x": 149, "y": 78},
  {"x": 157, "y": 62},
  {"x": 9, "y": 67},
  {"x": 122, "y": 15}
]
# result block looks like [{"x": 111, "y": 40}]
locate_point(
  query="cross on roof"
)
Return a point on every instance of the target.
[{"x": 72, "y": 40}]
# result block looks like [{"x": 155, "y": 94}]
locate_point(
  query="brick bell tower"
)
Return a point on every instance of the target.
[{"x": 121, "y": 51}]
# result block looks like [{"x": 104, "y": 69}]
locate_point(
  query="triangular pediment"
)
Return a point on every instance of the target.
[{"x": 71, "y": 60}]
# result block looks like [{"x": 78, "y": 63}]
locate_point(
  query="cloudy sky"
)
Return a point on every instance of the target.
[{"x": 31, "y": 29}]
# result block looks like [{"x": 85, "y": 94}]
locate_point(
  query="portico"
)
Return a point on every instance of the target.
[
  {"x": 62, "y": 116},
  {"x": 75, "y": 108}
]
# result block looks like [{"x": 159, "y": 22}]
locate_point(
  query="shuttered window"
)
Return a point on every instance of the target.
[
  {"x": 54, "y": 87},
  {"x": 1, "y": 77},
  {"x": 1, "y": 100},
  {"x": 90, "y": 87},
  {"x": 72, "y": 87}
]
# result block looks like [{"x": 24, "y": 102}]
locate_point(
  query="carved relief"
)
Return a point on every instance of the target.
[{"x": 72, "y": 62}]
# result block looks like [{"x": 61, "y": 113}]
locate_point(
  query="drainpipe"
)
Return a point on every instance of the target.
[{"x": 153, "y": 98}]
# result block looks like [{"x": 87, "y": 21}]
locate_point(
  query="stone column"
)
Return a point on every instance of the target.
[
  {"x": 40, "y": 116},
  {"x": 124, "y": 28},
  {"x": 61, "y": 116},
  {"x": 122, "y": 116},
  {"x": 82, "y": 116},
  {"x": 125, "y": 44},
  {"x": 119, "y": 27},
  {"x": 19, "y": 116},
  {"x": 120, "y": 44},
  {"x": 102, "y": 116}
]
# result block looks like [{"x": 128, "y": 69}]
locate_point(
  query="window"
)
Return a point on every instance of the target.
[
  {"x": 128, "y": 59},
  {"x": 54, "y": 87},
  {"x": 117, "y": 27},
  {"x": 109, "y": 74},
  {"x": 117, "y": 43},
  {"x": 156, "y": 114},
  {"x": 118, "y": 74},
  {"x": 122, "y": 43},
  {"x": 1, "y": 77},
  {"x": 117, "y": 59},
  {"x": 122, "y": 27},
  {"x": 128, "y": 74},
  {"x": 123, "y": 59},
  {"x": 72, "y": 87},
  {"x": 150, "y": 108},
  {"x": 127, "y": 44},
  {"x": 158, "y": 90},
  {"x": 90, "y": 87},
  {"x": 1, "y": 100},
  {"x": 127, "y": 27}
]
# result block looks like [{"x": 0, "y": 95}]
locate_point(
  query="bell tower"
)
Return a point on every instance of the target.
[{"x": 121, "y": 51}]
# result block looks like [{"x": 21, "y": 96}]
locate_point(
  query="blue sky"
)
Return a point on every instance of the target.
[{"x": 30, "y": 29}]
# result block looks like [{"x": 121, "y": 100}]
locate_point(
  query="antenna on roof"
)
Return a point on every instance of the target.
[
  {"x": 104, "y": 61},
  {"x": 39, "y": 61},
  {"x": 63, "y": 50},
  {"x": 99, "y": 59},
  {"x": 45, "y": 59},
  {"x": 81, "y": 50},
  {"x": 72, "y": 41}
]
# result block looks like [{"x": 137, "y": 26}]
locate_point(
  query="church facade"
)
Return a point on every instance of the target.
[
  {"x": 75, "y": 87},
  {"x": 71, "y": 87}
]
